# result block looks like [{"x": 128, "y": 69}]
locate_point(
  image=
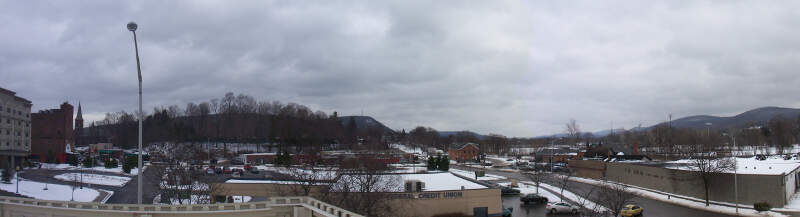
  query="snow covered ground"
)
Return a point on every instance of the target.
[
  {"x": 117, "y": 170},
  {"x": 53, "y": 192},
  {"x": 696, "y": 203},
  {"x": 773, "y": 165},
  {"x": 96, "y": 179},
  {"x": 471, "y": 175},
  {"x": 407, "y": 149}
]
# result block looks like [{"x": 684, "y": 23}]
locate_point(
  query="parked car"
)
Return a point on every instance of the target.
[
  {"x": 247, "y": 167},
  {"x": 561, "y": 207},
  {"x": 226, "y": 170},
  {"x": 560, "y": 169},
  {"x": 533, "y": 198},
  {"x": 210, "y": 171},
  {"x": 508, "y": 191},
  {"x": 218, "y": 170},
  {"x": 631, "y": 210}
]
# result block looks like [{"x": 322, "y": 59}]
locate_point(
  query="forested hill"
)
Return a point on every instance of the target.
[
  {"x": 756, "y": 117},
  {"x": 233, "y": 119}
]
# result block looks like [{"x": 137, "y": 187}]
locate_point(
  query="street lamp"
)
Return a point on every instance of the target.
[{"x": 132, "y": 27}]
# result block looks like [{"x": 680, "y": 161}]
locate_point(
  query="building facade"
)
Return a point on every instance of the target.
[
  {"x": 465, "y": 152},
  {"x": 52, "y": 132},
  {"x": 15, "y": 128}
]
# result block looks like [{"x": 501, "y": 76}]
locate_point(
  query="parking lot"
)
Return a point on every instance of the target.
[{"x": 527, "y": 210}]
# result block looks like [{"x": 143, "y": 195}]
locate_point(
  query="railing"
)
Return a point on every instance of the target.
[{"x": 317, "y": 207}]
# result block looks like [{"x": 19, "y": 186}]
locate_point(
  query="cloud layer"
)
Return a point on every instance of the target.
[{"x": 518, "y": 68}]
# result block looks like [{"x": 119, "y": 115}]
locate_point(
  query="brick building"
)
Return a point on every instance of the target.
[
  {"x": 465, "y": 152},
  {"x": 52, "y": 132},
  {"x": 15, "y": 128}
]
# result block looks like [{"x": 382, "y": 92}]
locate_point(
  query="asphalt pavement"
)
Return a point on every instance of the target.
[{"x": 651, "y": 207}]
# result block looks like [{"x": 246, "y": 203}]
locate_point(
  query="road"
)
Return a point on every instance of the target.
[{"x": 653, "y": 208}]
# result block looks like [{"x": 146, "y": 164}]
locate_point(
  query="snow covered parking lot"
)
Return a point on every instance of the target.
[{"x": 95, "y": 179}]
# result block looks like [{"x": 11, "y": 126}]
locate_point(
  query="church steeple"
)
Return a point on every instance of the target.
[{"x": 79, "y": 118}]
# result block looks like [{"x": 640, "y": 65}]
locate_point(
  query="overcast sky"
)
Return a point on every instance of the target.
[{"x": 518, "y": 68}]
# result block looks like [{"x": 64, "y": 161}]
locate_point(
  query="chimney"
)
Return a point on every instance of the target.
[{"x": 636, "y": 148}]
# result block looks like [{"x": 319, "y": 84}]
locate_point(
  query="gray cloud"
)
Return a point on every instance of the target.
[{"x": 515, "y": 68}]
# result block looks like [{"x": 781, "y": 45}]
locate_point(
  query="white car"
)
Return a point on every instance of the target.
[{"x": 561, "y": 207}]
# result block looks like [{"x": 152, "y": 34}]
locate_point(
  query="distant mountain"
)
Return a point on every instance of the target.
[
  {"x": 364, "y": 122},
  {"x": 453, "y": 133},
  {"x": 759, "y": 116}
]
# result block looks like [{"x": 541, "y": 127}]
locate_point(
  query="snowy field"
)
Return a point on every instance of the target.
[
  {"x": 54, "y": 191},
  {"x": 773, "y": 165},
  {"x": 117, "y": 170},
  {"x": 471, "y": 175},
  {"x": 95, "y": 179}
]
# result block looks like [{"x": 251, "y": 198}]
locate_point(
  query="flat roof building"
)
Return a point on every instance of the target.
[{"x": 15, "y": 128}]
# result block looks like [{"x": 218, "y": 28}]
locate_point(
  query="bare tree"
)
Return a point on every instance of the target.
[
  {"x": 589, "y": 208},
  {"x": 537, "y": 178},
  {"x": 706, "y": 165},
  {"x": 573, "y": 131},
  {"x": 563, "y": 182},
  {"x": 614, "y": 196}
]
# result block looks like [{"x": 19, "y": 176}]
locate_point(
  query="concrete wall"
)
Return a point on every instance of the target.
[
  {"x": 469, "y": 199},
  {"x": 277, "y": 207},
  {"x": 752, "y": 188},
  {"x": 588, "y": 168}
]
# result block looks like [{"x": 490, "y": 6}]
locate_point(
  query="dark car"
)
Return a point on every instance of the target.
[
  {"x": 508, "y": 191},
  {"x": 533, "y": 198},
  {"x": 560, "y": 169}
]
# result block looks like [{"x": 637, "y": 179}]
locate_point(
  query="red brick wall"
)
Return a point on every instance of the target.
[
  {"x": 469, "y": 152},
  {"x": 50, "y": 131}
]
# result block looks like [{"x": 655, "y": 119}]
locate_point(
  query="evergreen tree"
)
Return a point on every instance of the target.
[
  {"x": 432, "y": 163},
  {"x": 444, "y": 163}
]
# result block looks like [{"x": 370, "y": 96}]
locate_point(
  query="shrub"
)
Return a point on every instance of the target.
[
  {"x": 126, "y": 168},
  {"x": 762, "y": 206},
  {"x": 110, "y": 163},
  {"x": 6, "y": 176},
  {"x": 89, "y": 162},
  {"x": 72, "y": 160}
]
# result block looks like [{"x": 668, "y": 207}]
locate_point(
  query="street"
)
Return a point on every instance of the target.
[{"x": 651, "y": 207}]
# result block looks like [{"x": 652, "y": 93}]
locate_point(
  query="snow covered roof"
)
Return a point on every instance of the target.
[
  {"x": 442, "y": 181},
  {"x": 433, "y": 181},
  {"x": 774, "y": 165}
]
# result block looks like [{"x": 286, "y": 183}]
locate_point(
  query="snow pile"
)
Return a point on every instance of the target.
[
  {"x": 96, "y": 179},
  {"x": 118, "y": 170},
  {"x": 773, "y": 165},
  {"x": 54, "y": 191},
  {"x": 471, "y": 175}
]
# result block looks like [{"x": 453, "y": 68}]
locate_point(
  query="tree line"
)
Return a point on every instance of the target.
[{"x": 233, "y": 119}]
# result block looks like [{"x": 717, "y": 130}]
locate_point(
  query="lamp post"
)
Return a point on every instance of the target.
[
  {"x": 132, "y": 27},
  {"x": 735, "y": 173}
]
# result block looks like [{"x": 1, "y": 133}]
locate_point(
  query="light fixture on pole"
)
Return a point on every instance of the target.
[{"x": 132, "y": 27}]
